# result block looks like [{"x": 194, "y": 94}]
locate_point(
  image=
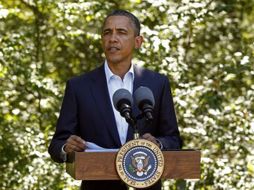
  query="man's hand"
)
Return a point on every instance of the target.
[
  {"x": 151, "y": 138},
  {"x": 74, "y": 143}
]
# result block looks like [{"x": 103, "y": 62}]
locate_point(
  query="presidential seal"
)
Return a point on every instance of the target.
[{"x": 140, "y": 163}]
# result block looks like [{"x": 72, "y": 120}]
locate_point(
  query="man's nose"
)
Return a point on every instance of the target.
[{"x": 113, "y": 37}]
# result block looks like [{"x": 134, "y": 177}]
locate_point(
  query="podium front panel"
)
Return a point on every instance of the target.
[{"x": 180, "y": 164}]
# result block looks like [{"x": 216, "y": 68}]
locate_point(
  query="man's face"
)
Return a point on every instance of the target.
[{"x": 118, "y": 39}]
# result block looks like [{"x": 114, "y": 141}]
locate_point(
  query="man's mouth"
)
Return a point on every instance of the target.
[{"x": 113, "y": 49}]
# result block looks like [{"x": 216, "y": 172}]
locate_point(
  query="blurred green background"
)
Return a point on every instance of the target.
[{"x": 205, "y": 47}]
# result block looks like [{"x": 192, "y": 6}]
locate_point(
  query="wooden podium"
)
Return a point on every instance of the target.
[{"x": 179, "y": 164}]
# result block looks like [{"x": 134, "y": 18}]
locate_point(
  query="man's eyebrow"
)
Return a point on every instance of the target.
[
  {"x": 118, "y": 29},
  {"x": 122, "y": 29}
]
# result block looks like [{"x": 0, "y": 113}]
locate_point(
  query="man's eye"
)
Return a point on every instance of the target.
[
  {"x": 106, "y": 33},
  {"x": 122, "y": 32}
]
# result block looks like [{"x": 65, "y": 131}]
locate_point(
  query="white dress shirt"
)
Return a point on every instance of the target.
[{"x": 114, "y": 83}]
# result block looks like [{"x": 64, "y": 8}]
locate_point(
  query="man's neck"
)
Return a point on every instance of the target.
[{"x": 119, "y": 69}]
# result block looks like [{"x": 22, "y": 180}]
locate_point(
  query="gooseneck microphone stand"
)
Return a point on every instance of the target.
[{"x": 132, "y": 121}]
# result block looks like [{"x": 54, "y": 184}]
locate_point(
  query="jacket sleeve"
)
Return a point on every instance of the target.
[
  {"x": 66, "y": 124},
  {"x": 168, "y": 129}
]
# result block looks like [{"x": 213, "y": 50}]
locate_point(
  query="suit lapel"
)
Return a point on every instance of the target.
[
  {"x": 138, "y": 80},
  {"x": 103, "y": 103}
]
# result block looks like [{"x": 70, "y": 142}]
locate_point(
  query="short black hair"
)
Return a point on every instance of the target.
[{"x": 134, "y": 20}]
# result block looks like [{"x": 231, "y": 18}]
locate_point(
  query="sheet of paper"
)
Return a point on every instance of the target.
[{"x": 92, "y": 147}]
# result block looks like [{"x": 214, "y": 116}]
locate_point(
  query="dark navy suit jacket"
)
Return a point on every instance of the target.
[{"x": 87, "y": 112}]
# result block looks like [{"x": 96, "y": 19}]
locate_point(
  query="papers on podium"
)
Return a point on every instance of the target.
[{"x": 92, "y": 147}]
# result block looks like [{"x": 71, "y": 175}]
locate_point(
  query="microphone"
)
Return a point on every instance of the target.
[
  {"x": 144, "y": 99},
  {"x": 122, "y": 100}
]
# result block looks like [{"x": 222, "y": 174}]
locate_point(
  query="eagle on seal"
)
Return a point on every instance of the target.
[{"x": 139, "y": 162}]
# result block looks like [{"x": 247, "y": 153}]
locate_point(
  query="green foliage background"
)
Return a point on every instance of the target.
[{"x": 205, "y": 47}]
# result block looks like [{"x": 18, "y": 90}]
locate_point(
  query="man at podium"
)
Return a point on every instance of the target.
[{"x": 87, "y": 113}]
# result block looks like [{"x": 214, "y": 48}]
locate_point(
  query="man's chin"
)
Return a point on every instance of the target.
[{"x": 114, "y": 61}]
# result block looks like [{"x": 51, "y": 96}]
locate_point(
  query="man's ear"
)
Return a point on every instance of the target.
[{"x": 138, "y": 41}]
